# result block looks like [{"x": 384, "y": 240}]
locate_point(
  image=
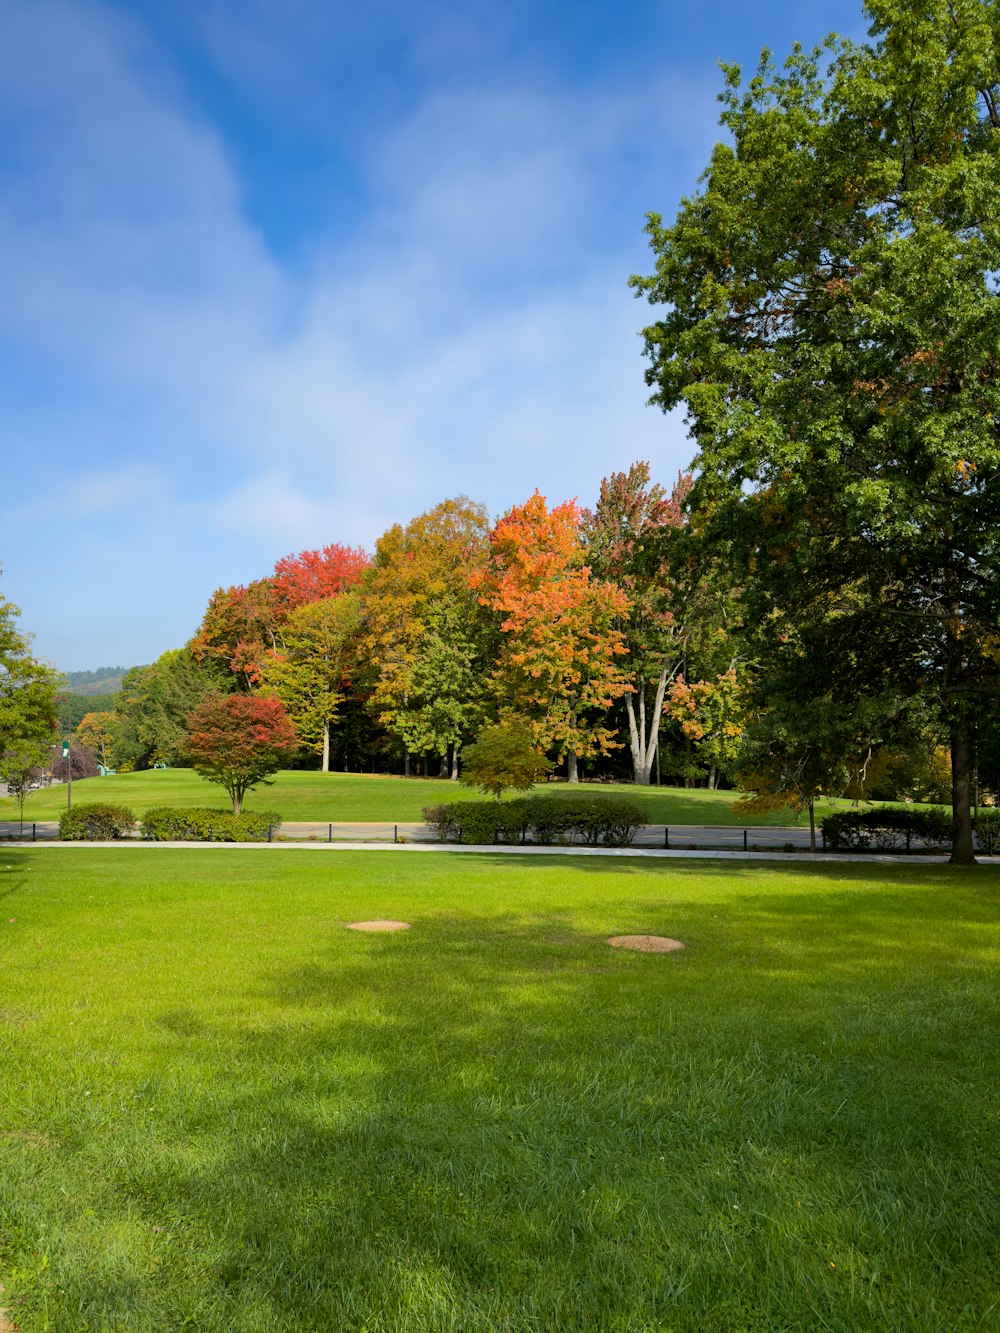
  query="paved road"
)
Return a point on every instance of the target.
[{"x": 676, "y": 837}]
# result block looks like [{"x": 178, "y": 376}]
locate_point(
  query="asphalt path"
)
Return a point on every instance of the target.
[{"x": 673, "y": 837}]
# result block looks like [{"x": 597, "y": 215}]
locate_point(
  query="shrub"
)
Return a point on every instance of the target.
[
  {"x": 441, "y": 818},
  {"x": 887, "y": 829},
  {"x": 168, "y": 824},
  {"x": 589, "y": 819},
  {"x": 96, "y": 823},
  {"x": 987, "y": 824}
]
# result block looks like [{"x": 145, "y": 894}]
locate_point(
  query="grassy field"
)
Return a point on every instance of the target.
[
  {"x": 220, "y": 1110},
  {"x": 348, "y": 797}
]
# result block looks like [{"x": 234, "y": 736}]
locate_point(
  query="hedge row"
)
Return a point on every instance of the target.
[
  {"x": 166, "y": 824},
  {"x": 894, "y": 829},
  {"x": 96, "y": 823},
  {"x": 587, "y": 819}
]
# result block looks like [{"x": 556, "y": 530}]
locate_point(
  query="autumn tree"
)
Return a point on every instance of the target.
[
  {"x": 97, "y": 733},
  {"x": 240, "y": 631},
  {"x": 427, "y": 636},
  {"x": 312, "y": 672},
  {"x": 831, "y": 321},
  {"x": 627, "y": 537},
  {"x": 711, "y": 715},
  {"x": 238, "y": 741},
  {"x": 314, "y": 576},
  {"x": 560, "y": 659}
]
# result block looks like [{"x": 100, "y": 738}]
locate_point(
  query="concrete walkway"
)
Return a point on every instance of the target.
[{"x": 432, "y": 848}]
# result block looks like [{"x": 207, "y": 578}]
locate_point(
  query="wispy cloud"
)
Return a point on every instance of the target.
[{"x": 475, "y": 335}]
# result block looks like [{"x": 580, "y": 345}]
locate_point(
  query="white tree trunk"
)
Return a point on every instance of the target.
[
  {"x": 326, "y": 745},
  {"x": 644, "y": 732}
]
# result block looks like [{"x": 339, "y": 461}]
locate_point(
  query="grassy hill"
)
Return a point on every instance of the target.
[{"x": 349, "y": 797}]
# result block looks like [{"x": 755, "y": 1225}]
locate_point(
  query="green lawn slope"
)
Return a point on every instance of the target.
[
  {"x": 221, "y": 1110},
  {"x": 348, "y": 797}
]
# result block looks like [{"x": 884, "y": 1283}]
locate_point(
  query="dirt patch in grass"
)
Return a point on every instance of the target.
[
  {"x": 5, "y": 1325},
  {"x": 646, "y": 943},
  {"x": 378, "y": 925}
]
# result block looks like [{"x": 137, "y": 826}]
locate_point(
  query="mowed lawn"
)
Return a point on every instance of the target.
[
  {"x": 350, "y": 797},
  {"x": 221, "y": 1110}
]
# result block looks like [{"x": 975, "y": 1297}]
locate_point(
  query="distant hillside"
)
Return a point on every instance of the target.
[{"x": 103, "y": 680}]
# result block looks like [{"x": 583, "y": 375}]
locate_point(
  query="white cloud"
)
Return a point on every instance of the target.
[{"x": 478, "y": 336}]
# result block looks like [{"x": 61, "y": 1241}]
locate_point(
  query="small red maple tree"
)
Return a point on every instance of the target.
[{"x": 238, "y": 740}]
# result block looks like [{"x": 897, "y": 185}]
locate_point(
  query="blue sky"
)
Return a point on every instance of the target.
[{"x": 280, "y": 275}]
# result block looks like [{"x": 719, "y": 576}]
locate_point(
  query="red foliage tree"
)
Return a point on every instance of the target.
[
  {"x": 311, "y": 576},
  {"x": 238, "y": 740}
]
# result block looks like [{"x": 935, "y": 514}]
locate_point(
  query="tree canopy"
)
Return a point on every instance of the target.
[{"x": 831, "y": 322}]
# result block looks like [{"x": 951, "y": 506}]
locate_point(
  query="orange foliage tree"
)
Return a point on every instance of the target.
[{"x": 560, "y": 659}]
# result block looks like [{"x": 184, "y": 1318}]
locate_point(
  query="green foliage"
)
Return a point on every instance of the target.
[
  {"x": 167, "y": 824},
  {"x": 612, "y": 821},
  {"x": 71, "y": 709},
  {"x": 96, "y": 823},
  {"x": 830, "y": 319},
  {"x": 887, "y": 829},
  {"x": 987, "y": 825},
  {"x": 504, "y": 758},
  {"x": 27, "y": 693},
  {"x": 153, "y": 703}
]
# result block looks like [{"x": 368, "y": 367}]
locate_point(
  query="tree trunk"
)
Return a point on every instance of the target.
[
  {"x": 713, "y": 778},
  {"x": 812, "y": 824},
  {"x": 443, "y": 769},
  {"x": 962, "y": 849},
  {"x": 326, "y": 745},
  {"x": 572, "y": 772},
  {"x": 644, "y": 731},
  {"x": 406, "y": 764},
  {"x": 454, "y": 762}
]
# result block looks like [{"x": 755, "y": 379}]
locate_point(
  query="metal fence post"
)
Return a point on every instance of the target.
[
  {"x": 395, "y": 833},
  {"x": 329, "y": 834},
  {"x": 745, "y": 848},
  {"x": 666, "y": 837},
  {"x": 34, "y": 833}
]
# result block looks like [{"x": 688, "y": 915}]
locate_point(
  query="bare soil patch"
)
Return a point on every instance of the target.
[
  {"x": 646, "y": 943},
  {"x": 378, "y": 925}
]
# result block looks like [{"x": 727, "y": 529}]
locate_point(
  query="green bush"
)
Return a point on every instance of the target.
[
  {"x": 579, "y": 818},
  {"x": 888, "y": 829},
  {"x": 96, "y": 823},
  {"x": 441, "y": 818},
  {"x": 168, "y": 824},
  {"x": 987, "y": 824}
]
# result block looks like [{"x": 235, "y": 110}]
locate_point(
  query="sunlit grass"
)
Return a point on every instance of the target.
[
  {"x": 221, "y": 1110},
  {"x": 346, "y": 797}
]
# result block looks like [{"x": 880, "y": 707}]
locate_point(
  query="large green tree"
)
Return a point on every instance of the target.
[
  {"x": 27, "y": 703},
  {"x": 832, "y": 324},
  {"x": 153, "y": 703}
]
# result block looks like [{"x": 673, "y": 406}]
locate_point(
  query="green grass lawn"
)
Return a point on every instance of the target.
[
  {"x": 220, "y": 1110},
  {"x": 348, "y": 797}
]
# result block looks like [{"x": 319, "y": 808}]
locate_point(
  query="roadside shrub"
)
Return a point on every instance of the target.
[
  {"x": 592, "y": 820},
  {"x": 887, "y": 829},
  {"x": 168, "y": 824},
  {"x": 442, "y": 819},
  {"x": 96, "y": 823},
  {"x": 987, "y": 824}
]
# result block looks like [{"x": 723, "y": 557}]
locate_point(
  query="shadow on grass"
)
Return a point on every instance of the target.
[{"x": 495, "y": 1121}]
